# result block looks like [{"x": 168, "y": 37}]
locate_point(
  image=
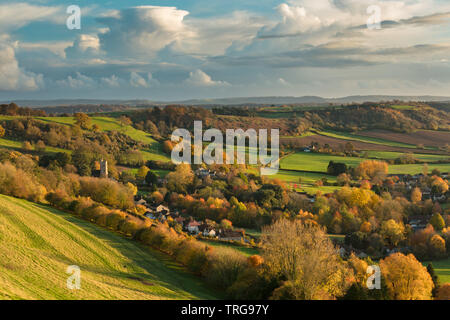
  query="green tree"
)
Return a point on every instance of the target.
[
  {"x": 434, "y": 277},
  {"x": 151, "y": 178},
  {"x": 437, "y": 222}
]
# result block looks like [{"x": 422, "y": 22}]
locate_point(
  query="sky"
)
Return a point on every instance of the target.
[{"x": 184, "y": 49}]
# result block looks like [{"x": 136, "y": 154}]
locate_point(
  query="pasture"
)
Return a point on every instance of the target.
[
  {"x": 154, "y": 152},
  {"x": 38, "y": 243},
  {"x": 442, "y": 269},
  {"x": 318, "y": 162}
]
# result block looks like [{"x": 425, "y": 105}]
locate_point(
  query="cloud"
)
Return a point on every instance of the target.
[
  {"x": 12, "y": 77},
  {"x": 198, "y": 78},
  {"x": 113, "y": 81},
  {"x": 142, "y": 31},
  {"x": 136, "y": 80},
  {"x": 80, "y": 81},
  {"x": 85, "y": 45},
  {"x": 16, "y": 15}
]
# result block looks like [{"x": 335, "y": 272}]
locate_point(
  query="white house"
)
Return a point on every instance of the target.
[
  {"x": 192, "y": 227},
  {"x": 209, "y": 233}
]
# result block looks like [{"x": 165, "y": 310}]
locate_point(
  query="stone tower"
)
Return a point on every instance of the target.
[{"x": 103, "y": 169}]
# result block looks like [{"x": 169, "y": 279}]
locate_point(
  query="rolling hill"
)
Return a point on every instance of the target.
[{"x": 38, "y": 243}]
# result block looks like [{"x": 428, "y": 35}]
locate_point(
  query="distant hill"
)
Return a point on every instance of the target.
[{"x": 117, "y": 105}]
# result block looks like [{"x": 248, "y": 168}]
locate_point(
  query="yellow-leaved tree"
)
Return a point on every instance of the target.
[{"x": 406, "y": 278}]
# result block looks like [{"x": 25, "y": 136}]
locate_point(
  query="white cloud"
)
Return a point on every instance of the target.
[
  {"x": 198, "y": 78},
  {"x": 16, "y": 15},
  {"x": 12, "y": 77},
  {"x": 85, "y": 45},
  {"x": 142, "y": 31},
  {"x": 80, "y": 81},
  {"x": 112, "y": 81},
  {"x": 136, "y": 80}
]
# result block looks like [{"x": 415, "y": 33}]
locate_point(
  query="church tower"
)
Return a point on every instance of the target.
[{"x": 103, "y": 169}]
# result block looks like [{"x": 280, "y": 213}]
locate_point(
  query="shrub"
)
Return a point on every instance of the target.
[{"x": 225, "y": 265}]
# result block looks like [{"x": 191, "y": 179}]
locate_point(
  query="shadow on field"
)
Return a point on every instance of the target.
[{"x": 160, "y": 269}]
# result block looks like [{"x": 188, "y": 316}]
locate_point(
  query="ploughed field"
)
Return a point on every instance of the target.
[{"x": 38, "y": 243}]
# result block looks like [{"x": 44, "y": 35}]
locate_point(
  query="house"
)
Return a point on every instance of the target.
[
  {"x": 418, "y": 222},
  {"x": 179, "y": 220},
  {"x": 162, "y": 181},
  {"x": 192, "y": 227},
  {"x": 162, "y": 209},
  {"x": 209, "y": 233},
  {"x": 203, "y": 173},
  {"x": 441, "y": 198},
  {"x": 231, "y": 235},
  {"x": 141, "y": 202},
  {"x": 207, "y": 229}
]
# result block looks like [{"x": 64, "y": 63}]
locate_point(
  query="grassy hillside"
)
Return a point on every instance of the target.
[
  {"x": 37, "y": 244},
  {"x": 110, "y": 124}
]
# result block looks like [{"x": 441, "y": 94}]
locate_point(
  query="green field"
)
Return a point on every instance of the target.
[
  {"x": 387, "y": 155},
  {"x": 38, "y": 243},
  {"x": 248, "y": 251},
  {"x": 17, "y": 145},
  {"x": 403, "y": 107},
  {"x": 442, "y": 269},
  {"x": 417, "y": 168},
  {"x": 154, "y": 152},
  {"x": 318, "y": 162}
]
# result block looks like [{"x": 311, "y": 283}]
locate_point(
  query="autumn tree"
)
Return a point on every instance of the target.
[
  {"x": 406, "y": 278},
  {"x": 255, "y": 260},
  {"x": 39, "y": 146},
  {"x": 82, "y": 120},
  {"x": 167, "y": 146},
  {"x": 439, "y": 185},
  {"x": 304, "y": 256},
  {"x": 151, "y": 127},
  {"x": 437, "y": 246},
  {"x": 142, "y": 172},
  {"x": 370, "y": 169},
  {"x": 2, "y": 131},
  {"x": 27, "y": 146},
  {"x": 226, "y": 224},
  {"x": 181, "y": 178},
  {"x": 443, "y": 292},
  {"x": 416, "y": 195},
  {"x": 393, "y": 232},
  {"x": 124, "y": 122}
]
